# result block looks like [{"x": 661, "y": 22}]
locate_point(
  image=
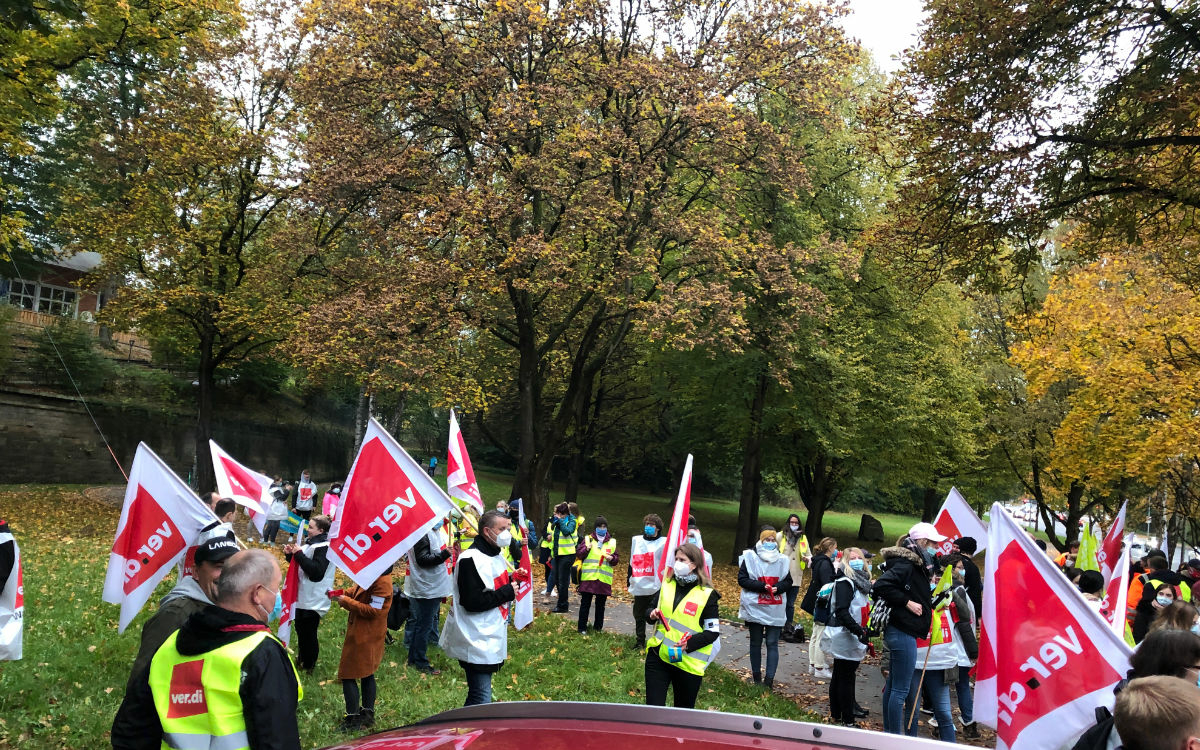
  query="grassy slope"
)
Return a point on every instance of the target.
[{"x": 65, "y": 691}]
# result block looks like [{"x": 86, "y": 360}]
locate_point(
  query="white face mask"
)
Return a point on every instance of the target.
[
  {"x": 503, "y": 539},
  {"x": 794, "y": 527},
  {"x": 682, "y": 569}
]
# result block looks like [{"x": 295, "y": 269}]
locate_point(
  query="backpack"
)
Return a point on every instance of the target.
[
  {"x": 877, "y": 620},
  {"x": 1096, "y": 738},
  {"x": 399, "y": 611}
]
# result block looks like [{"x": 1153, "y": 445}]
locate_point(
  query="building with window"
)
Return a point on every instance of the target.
[{"x": 50, "y": 287}]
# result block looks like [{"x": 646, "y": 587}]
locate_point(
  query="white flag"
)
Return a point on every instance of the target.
[
  {"x": 460, "y": 477},
  {"x": 677, "y": 533},
  {"x": 243, "y": 485},
  {"x": 957, "y": 519},
  {"x": 1046, "y": 661},
  {"x": 1110, "y": 548},
  {"x": 160, "y": 518},
  {"x": 523, "y": 614}
]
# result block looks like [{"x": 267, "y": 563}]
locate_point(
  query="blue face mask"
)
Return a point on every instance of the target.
[
  {"x": 651, "y": 531},
  {"x": 858, "y": 564},
  {"x": 770, "y": 546},
  {"x": 275, "y": 613},
  {"x": 1196, "y": 628},
  {"x": 1163, "y": 601},
  {"x": 601, "y": 533}
]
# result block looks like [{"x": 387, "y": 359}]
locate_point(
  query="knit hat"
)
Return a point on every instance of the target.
[{"x": 767, "y": 532}]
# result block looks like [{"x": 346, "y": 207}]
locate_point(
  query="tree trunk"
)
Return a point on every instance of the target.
[
  {"x": 206, "y": 377},
  {"x": 929, "y": 505},
  {"x": 746, "y": 532},
  {"x": 815, "y": 483}
]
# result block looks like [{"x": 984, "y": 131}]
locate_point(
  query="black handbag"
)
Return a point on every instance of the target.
[{"x": 399, "y": 611}]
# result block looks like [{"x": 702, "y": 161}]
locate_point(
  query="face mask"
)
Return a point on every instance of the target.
[
  {"x": 601, "y": 533},
  {"x": 503, "y": 539},
  {"x": 278, "y": 599},
  {"x": 770, "y": 546},
  {"x": 693, "y": 539},
  {"x": 683, "y": 570},
  {"x": 275, "y": 613},
  {"x": 932, "y": 585},
  {"x": 651, "y": 531},
  {"x": 858, "y": 564},
  {"x": 1196, "y": 628},
  {"x": 869, "y": 567},
  {"x": 1163, "y": 601},
  {"x": 794, "y": 526}
]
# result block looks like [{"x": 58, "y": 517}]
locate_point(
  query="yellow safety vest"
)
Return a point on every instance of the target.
[
  {"x": 548, "y": 537},
  {"x": 680, "y": 622},
  {"x": 467, "y": 525},
  {"x": 197, "y": 697},
  {"x": 594, "y": 568},
  {"x": 567, "y": 542},
  {"x": 801, "y": 545}
]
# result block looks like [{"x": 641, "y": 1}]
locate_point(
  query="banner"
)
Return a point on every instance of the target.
[
  {"x": 460, "y": 477},
  {"x": 523, "y": 614},
  {"x": 388, "y": 504},
  {"x": 293, "y": 523},
  {"x": 290, "y": 594},
  {"x": 1046, "y": 661},
  {"x": 1116, "y": 596},
  {"x": 161, "y": 516},
  {"x": 1089, "y": 549},
  {"x": 957, "y": 519},
  {"x": 1110, "y": 548},
  {"x": 244, "y": 486},
  {"x": 677, "y": 533}
]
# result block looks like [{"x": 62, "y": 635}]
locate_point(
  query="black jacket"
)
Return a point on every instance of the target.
[
  {"x": 425, "y": 556},
  {"x": 316, "y": 566},
  {"x": 269, "y": 690},
  {"x": 843, "y": 595},
  {"x": 1145, "y": 605},
  {"x": 822, "y": 573},
  {"x": 473, "y": 596},
  {"x": 905, "y": 580},
  {"x": 710, "y": 612},
  {"x": 973, "y": 581}
]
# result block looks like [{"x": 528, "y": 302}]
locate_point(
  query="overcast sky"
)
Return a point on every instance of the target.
[{"x": 886, "y": 27}]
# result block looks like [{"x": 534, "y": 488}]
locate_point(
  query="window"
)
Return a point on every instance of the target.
[
  {"x": 56, "y": 300},
  {"x": 23, "y": 294}
]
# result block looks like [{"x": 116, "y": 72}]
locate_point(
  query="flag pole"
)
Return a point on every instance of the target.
[{"x": 920, "y": 683}]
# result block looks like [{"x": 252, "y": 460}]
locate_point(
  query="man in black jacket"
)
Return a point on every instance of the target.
[
  {"x": 264, "y": 683},
  {"x": 316, "y": 578},
  {"x": 972, "y": 579}
]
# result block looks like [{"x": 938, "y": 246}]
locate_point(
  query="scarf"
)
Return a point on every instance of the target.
[
  {"x": 861, "y": 579},
  {"x": 766, "y": 555},
  {"x": 915, "y": 547}
]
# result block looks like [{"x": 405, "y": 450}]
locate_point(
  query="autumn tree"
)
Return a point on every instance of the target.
[
  {"x": 187, "y": 199},
  {"x": 541, "y": 180}
]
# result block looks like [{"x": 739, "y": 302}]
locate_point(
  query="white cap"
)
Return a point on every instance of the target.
[{"x": 925, "y": 531}]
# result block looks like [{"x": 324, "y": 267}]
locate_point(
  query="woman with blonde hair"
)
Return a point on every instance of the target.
[
  {"x": 1178, "y": 615},
  {"x": 686, "y": 636},
  {"x": 823, "y": 573}
]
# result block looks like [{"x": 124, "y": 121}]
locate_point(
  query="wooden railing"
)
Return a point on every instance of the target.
[{"x": 127, "y": 346}]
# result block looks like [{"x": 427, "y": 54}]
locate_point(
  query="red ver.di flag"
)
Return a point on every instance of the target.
[
  {"x": 160, "y": 518},
  {"x": 460, "y": 477},
  {"x": 1110, "y": 548},
  {"x": 244, "y": 486},
  {"x": 955, "y": 520},
  {"x": 677, "y": 533},
  {"x": 1046, "y": 661},
  {"x": 290, "y": 594},
  {"x": 523, "y": 610},
  {"x": 388, "y": 504}
]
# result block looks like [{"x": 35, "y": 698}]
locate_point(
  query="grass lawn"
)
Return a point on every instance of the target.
[{"x": 65, "y": 691}]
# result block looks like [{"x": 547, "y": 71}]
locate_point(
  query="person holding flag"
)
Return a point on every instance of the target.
[
  {"x": 598, "y": 551},
  {"x": 12, "y": 596},
  {"x": 938, "y": 655},
  {"x": 430, "y": 579},
  {"x": 687, "y": 631},
  {"x": 905, "y": 588},
  {"x": 315, "y": 580},
  {"x": 644, "y": 578}
]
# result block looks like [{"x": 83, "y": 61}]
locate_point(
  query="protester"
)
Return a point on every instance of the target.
[
  {"x": 1067, "y": 558},
  {"x": 213, "y": 530},
  {"x": 1091, "y": 585},
  {"x": 1191, "y": 571},
  {"x": 794, "y": 544},
  {"x": 1156, "y": 596},
  {"x": 694, "y": 537},
  {"x": 933, "y": 662},
  {"x": 644, "y": 576},
  {"x": 429, "y": 580},
  {"x": 316, "y": 579},
  {"x": 972, "y": 578},
  {"x": 845, "y": 639},
  {"x": 1158, "y": 713},
  {"x": 277, "y": 512},
  {"x": 476, "y": 630},
  {"x": 546, "y": 557},
  {"x": 306, "y": 495},
  {"x": 823, "y": 573},
  {"x": 362, "y": 651},
  {"x": 331, "y": 501},
  {"x": 963, "y": 622},
  {"x": 764, "y": 577},
  {"x": 599, "y": 555},
  {"x": 1173, "y": 653},
  {"x": 905, "y": 588},
  {"x": 1178, "y": 615},
  {"x": 189, "y": 596},
  {"x": 12, "y": 596},
  {"x": 563, "y": 544},
  {"x": 226, "y": 653},
  {"x": 529, "y": 532},
  {"x": 687, "y": 629}
]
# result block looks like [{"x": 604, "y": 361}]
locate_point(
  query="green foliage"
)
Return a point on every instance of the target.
[{"x": 66, "y": 351}]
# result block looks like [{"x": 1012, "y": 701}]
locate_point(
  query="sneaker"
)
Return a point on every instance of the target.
[
  {"x": 927, "y": 711},
  {"x": 583, "y": 631},
  {"x": 822, "y": 674},
  {"x": 932, "y": 722},
  {"x": 860, "y": 712}
]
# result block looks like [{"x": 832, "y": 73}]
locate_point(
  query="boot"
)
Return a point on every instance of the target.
[
  {"x": 788, "y": 630},
  {"x": 366, "y": 718},
  {"x": 971, "y": 731},
  {"x": 350, "y": 722},
  {"x": 757, "y": 678},
  {"x": 769, "y": 683},
  {"x": 798, "y": 635}
]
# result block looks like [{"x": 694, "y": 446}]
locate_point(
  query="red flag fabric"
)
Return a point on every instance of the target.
[
  {"x": 243, "y": 485},
  {"x": 460, "y": 477},
  {"x": 523, "y": 609},
  {"x": 957, "y": 519},
  {"x": 1046, "y": 661},
  {"x": 1110, "y": 548},
  {"x": 290, "y": 593},
  {"x": 1116, "y": 596},
  {"x": 677, "y": 533},
  {"x": 160, "y": 518},
  {"x": 388, "y": 504}
]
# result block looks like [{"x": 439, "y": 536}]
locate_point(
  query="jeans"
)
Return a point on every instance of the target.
[
  {"x": 308, "y": 647},
  {"x": 270, "y": 531},
  {"x": 756, "y": 640},
  {"x": 419, "y": 628},
  {"x": 660, "y": 675},
  {"x": 939, "y": 693},
  {"x": 585, "y": 604},
  {"x": 841, "y": 691},
  {"x": 479, "y": 686},
  {"x": 562, "y": 578},
  {"x": 816, "y": 657},
  {"x": 790, "y": 602},
  {"x": 902, "y": 648},
  {"x": 642, "y": 605},
  {"x": 966, "y": 698}
]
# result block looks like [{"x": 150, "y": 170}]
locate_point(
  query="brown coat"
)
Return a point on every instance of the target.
[{"x": 365, "y": 630}]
